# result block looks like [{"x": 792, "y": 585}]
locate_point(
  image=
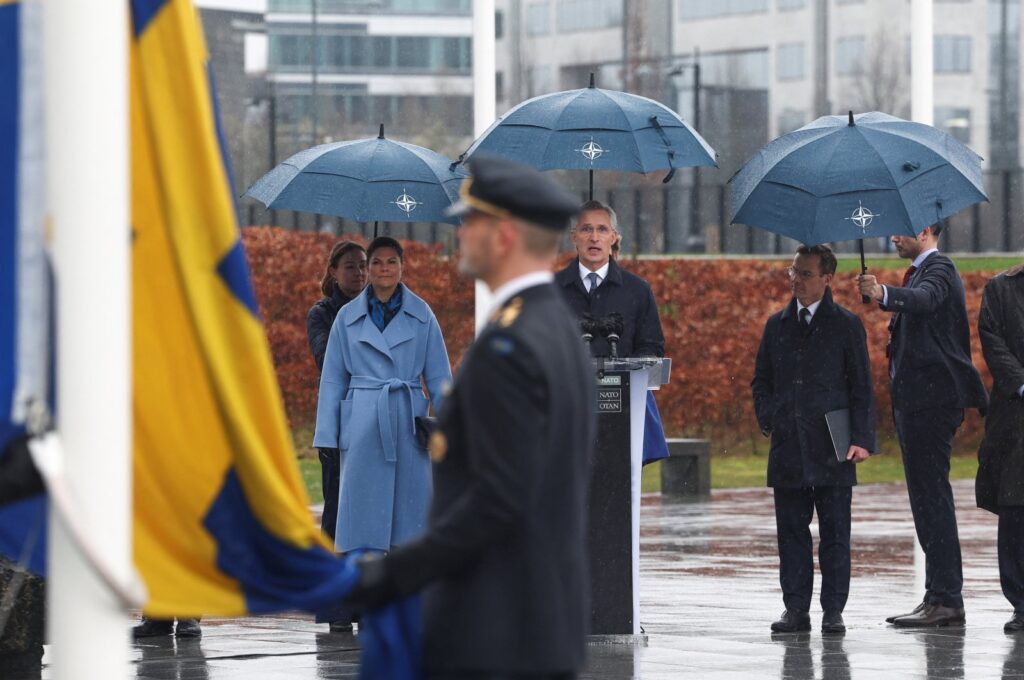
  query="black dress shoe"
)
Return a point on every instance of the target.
[
  {"x": 832, "y": 622},
  {"x": 189, "y": 628},
  {"x": 153, "y": 628},
  {"x": 1015, "y": 624},
  {"x": 792, "y": 621},
  {"x": 917, "y": 610},
  {"x": 933, "y": 616}
]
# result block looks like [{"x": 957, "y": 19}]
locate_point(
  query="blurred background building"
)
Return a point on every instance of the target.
[{"x": 742, "y": 71}]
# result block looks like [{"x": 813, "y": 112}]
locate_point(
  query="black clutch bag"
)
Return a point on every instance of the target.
[{"x": 425, "y": 426}]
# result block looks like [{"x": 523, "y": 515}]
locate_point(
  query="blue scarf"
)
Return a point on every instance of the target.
[{"x": 381, "y": 313}]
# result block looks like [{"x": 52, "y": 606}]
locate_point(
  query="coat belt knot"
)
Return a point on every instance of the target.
[{"x": 385, "y": 387}]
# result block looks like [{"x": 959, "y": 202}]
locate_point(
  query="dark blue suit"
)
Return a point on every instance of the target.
[
  {"x": 800, "y": 374},
  {"x": 621, "y": 292},
  {"x": 933, "y": 381}
]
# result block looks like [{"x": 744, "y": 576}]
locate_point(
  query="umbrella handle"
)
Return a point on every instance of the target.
[{"x": 863, "y": 270}]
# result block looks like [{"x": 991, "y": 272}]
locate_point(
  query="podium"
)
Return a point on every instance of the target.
[{"x": 614, "y": 504}]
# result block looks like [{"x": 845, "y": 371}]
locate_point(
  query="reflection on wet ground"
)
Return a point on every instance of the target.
[{"x": 709, "y": 589}]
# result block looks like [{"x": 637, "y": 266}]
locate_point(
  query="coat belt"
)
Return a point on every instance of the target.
[{"x": 385, "y": 387}]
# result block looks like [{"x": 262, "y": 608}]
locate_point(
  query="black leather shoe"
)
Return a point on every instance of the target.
[
  {"x": 1015, "y": 624},
  {"x": 933, "y": 616},
  {"x": 153, "y": 628},
  {"x": 917, "y": 610},
  {"x": 341, "y": 627},
  {"x": 832, "y": 622},
  {"x": 792, "y": 621},
  {"x": 189, "y": 628}
]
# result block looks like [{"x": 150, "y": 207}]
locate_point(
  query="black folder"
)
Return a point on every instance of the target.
[{"x": 839, "y": 429}]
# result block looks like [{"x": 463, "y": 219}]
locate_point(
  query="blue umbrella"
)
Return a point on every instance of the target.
[
  {"x": 594, "y": 129},
  {"x": 851, "y": 177},
  {"x": 842, "y": 178},
  {"x": 364, "y": 180}
]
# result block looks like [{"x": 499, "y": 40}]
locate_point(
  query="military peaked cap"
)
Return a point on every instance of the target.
[{"x": 504, "y": 188}]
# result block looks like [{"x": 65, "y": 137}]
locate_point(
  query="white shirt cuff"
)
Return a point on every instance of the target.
[
  {"x": 1020, "y": 390},
  {"x": 885, "y": 295}
]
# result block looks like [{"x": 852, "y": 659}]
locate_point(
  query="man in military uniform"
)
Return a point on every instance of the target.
[{"x": 503, "y": 562}]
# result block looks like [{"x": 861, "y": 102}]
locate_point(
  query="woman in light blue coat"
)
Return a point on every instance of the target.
[{"x": 384, "y": 347}]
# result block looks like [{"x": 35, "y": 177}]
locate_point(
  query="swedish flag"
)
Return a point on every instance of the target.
[
  {"x": 24, "y": 277},
  {"x": 221, "y": 519}
]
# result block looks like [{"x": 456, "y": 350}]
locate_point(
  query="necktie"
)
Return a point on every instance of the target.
[
  {"x": 805, "y": 317},
  {"x": 907, "y": 274},
  {"x": 592, "y": 282}
]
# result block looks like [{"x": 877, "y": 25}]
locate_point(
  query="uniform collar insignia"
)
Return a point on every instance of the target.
[{"x": 508, "y": 314}]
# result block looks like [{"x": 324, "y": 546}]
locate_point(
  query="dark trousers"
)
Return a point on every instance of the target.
[
  {"x": 793, "y": 511},
  {"x": 1011, "y": 554},
  {"x": 330, "y": 467},
  {"x": 495, "y": 675},
  {"x": 926, "y": 440}
]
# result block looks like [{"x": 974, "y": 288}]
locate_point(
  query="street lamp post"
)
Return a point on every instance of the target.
[{"x": 694, "y": 65}]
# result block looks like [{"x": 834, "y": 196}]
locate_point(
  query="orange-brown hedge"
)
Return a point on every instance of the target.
[{"x": 712, "y": 311}]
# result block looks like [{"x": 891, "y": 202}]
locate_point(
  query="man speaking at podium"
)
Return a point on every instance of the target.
[{"x": 594, "y": 284}]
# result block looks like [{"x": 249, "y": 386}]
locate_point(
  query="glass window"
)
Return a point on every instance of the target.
[
  {"x": 955, "y": 121},
  {"x": 952, "y": 54},
  {"x": 382, "y": 47},
  {"x": 789, "y": 4},
  {"x": 709, "y": 9},
  {"x": 413, "y": 52},
  {"x": 588, "y": 15},
  {"x": 499, "y": 25},
  {"x": 850, "y": 55},
  {"x": 790, "y": 119},
  {"x": 538, "y": 18},
  {"x": 789, "y": 61}
]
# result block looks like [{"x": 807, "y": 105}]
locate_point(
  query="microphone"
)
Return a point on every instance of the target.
[
  {"x": 613, "y": 328},
  {"x": 589, "y": 326}
]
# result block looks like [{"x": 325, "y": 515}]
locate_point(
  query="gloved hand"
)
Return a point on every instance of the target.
[{"x": 376, "y": 587}]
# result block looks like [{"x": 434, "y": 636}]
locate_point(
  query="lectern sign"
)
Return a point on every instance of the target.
[{"x": 609, "y": 399}]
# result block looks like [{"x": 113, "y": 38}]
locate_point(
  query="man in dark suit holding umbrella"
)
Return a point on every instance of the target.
[
  {"x": 813, "y": 360},
  {"x": 933, "y": 381},
  {"x": 1000, "y": 483}
]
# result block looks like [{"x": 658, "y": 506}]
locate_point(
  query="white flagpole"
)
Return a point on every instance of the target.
[
  {"x": 87, "y": 171},
  {"x": 922, "y": 110},
  {"x": 483, "y": 104}
]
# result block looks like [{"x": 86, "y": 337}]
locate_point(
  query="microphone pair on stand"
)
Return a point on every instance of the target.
[{"x": 608, "y": 327}]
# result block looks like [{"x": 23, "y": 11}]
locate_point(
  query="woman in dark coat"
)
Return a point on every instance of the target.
[
  {"x": 343, "y": 280},
  {"x": 1000, "y": 482}
]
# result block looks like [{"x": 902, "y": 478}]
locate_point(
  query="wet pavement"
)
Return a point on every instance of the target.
[{"x": 709, "y": 590}]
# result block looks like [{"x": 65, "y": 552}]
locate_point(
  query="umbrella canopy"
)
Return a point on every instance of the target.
[
  {"x": 595, "y": 129},
  {"x": 842, "y": 178},
  {"x": 365, "y": 180}
]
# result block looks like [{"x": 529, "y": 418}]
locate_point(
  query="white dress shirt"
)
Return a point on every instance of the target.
[
  {"x": 812, "y": 308},
  {"x": 602, "y": 273}
]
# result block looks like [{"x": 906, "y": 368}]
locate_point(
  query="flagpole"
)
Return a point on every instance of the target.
[
  {"x": 922, "y": 110},
  {"x": 483, "y": 104},
  {"x": 86, "y": 73}
]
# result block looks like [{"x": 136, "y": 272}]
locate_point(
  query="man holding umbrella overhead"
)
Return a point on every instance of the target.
[{"x": 933, "y": 381}]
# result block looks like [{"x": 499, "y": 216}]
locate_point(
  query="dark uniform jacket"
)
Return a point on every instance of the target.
[
  {"x": 931, "y": 341},
  {"x": 1000, "y": 478},
  {"x": 319, "y": 321},
  {"x": 621, "y": 292},
  {"x": 504, "y": 552},
  {"x": 799, "y": 376}
]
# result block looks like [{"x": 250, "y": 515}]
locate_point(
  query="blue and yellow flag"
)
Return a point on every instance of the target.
[
  {"x": 222, "y": 525},
  {"x": 25, "y": 330}
]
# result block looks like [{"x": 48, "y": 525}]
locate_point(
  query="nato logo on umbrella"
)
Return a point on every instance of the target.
[
  {"x": 862, "y": 217},
  {"x": 406, "y": 203},
  {"x": 592, "y": 150}
]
